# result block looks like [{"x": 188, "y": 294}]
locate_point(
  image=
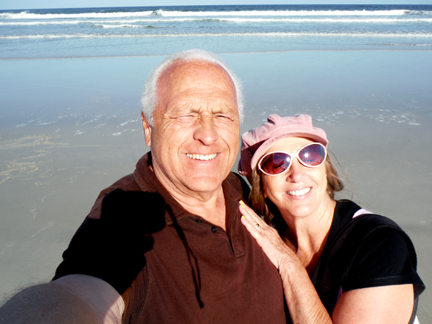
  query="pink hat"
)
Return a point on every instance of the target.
[{"x": 257, "y": 141}]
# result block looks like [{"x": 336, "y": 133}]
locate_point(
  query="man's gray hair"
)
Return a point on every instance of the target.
[{"x": 149, "y": 97}]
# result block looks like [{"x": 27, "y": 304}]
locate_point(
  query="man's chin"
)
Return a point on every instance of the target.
[{"x": 205, "y": 183}]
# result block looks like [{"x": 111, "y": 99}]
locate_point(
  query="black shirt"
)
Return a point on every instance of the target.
[{"x": 374, "y": 252}]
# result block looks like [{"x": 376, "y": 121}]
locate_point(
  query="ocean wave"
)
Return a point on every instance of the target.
[
  {"x": 393, "y": 12},
  {"x": 123, "y": 26},
  {"x": 158, "y": 12},
  {"x": 229, "y": 20},
  {"x": 418, "y": 12},
  {"x": 84, "y": 21},
  {"x": 29, "y": 15},
  {"x": 406, "y": 44},
  {"x": 264, "y": 34},
  {"x": 167, "y": 13},
  {"x": 327, "y": 20}
]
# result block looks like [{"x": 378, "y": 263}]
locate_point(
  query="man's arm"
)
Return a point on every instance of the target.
[
  {"x": 111, "y": 247},
  {"x": 70, "y": 299}
]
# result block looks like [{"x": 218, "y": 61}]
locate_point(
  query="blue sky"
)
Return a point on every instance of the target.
[{"x": 38, "y": 4}]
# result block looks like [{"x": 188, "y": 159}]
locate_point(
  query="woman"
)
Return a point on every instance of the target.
[{"x": 335, "y": 267}]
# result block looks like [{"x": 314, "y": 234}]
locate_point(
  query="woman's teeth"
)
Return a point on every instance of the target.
[{"x": 300, "y": 192}]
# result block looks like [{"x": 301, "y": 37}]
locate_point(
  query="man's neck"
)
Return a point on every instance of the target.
[
  {"x": 212, "y": 210},
  {"x": 208, "y": 205}
]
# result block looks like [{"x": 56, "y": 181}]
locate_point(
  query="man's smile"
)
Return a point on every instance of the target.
[{"x": 202, "y": 157}]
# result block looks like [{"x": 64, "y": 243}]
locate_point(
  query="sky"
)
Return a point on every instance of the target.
[{"x": 45, "y": 4}]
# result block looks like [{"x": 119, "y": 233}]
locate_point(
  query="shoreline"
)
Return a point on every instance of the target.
[{"x": 410, "y": 48}]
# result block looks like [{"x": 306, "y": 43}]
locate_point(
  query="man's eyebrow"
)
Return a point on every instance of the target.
[
  {"x": 181, "y": 108},
  {"x": 222, "y": 109}
]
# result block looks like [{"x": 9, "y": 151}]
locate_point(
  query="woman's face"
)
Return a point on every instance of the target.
[{"x": 301, "y": 191}]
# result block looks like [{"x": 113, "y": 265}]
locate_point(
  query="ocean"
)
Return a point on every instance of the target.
[{"x": 138, "y": 31}]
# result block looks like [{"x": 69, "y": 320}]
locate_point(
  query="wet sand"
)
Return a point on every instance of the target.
[{"x": 71, "y": 127}]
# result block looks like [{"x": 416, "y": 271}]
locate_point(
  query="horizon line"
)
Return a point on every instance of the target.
[{"x": 220, "y": 5}]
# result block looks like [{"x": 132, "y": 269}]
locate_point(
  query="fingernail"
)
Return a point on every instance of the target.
[
  {"x": 243, "y": 217},
  {"x": 241, "y": 203}
]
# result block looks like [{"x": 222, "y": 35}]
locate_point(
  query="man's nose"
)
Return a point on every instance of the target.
[{"x": 206, "y": 131}]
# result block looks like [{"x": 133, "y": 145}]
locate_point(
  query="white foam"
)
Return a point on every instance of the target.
[
  {"x": 5, "y": 247},
  {"x": 28, "y": 15},
  {"x": 409, "y": 119},
  {"x": 286, "y": 13},
  {"x": 47, "y": 123},
  {"x": 132, "y": 23},
  {"x": 327, "y": 20},
  {"x": 166, "y": 13},
  {"x": 238, "y": 20},
  {"x": 85, "y": 21},
  {"x": 122, "y": 26},
  {"x": 271, "y": 34}
]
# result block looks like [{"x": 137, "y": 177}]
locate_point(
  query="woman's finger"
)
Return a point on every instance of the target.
[
  {"x": 250, "y": 215},
  {"x": 266, "y": 236},
  {"x": 253, "y": 223}
]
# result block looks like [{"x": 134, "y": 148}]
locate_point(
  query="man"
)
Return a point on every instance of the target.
[{"x": 166, "y": 244}]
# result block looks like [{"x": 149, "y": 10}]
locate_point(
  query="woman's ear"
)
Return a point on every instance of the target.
[{"x": 265, "y": 193}]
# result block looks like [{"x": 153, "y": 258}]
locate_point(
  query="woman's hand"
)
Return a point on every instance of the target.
[
  {"x": 302, "y": 299},
  {"x": 267, "y": 237}
]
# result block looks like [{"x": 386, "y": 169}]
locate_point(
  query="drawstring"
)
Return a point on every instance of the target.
[{"x": 191, "y": 257}]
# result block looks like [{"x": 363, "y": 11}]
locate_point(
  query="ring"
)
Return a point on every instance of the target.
[{"x": 256, "y": 225}]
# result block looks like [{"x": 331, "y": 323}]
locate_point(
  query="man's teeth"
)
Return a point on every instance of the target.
[
  {"x": 300, "y": 192},
  {"x": 202, "y": 157}
]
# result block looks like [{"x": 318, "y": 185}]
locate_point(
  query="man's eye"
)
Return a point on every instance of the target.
[
  {"x": 185, "y": 117},
  {"x": 223, "y": 116}
]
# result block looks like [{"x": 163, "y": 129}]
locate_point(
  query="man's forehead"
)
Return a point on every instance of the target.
[{"x": 182, "y": 74}]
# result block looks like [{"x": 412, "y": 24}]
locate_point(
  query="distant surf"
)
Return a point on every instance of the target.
[{"x": 137, "y": 31}]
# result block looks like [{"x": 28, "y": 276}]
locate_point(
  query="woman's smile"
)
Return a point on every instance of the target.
[{"x": 299, "y": 192}]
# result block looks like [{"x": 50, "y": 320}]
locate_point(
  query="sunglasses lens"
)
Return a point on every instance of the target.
[
  {"x": 312, "y": 155},
  {"x": 275, "y": 163}
]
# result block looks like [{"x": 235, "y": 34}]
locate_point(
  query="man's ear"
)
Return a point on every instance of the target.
[{"x": 147, "y": 130}]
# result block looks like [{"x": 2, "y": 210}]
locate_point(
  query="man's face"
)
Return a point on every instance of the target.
[{"x": 195, "y": 137}]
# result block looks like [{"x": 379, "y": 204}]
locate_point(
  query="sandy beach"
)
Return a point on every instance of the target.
[{"x": 71, "y": 127}]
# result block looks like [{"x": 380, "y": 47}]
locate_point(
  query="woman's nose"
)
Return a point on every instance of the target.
[{"x": 295, "y": 171}]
